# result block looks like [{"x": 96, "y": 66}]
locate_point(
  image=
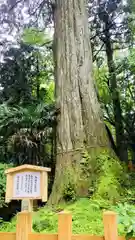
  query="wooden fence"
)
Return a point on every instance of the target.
[{"x": 24, "y": 229}]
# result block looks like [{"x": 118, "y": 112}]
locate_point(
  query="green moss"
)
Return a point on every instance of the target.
[
  {"x": 86, "y": 214},
  {"x": 106, "y": 179},
  {"x": 111, "y": 179},
  {"x": 104, "y": 174}
]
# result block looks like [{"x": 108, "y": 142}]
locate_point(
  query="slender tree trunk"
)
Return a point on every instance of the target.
[
  {"x": 120, "y": 138},
  {"x": 37, "y": 81},
  {"x": 79, "y": 124}
]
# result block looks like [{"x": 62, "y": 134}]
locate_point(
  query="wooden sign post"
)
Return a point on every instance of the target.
[{"x": 27, "y": 183}]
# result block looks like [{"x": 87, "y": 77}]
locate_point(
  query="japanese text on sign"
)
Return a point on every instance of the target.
[{"x": 26, "y": 184}]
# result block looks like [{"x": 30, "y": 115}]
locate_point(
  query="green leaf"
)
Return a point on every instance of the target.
[
  {"x": 35, "y": 37},
  {"x": 129, "y": 235}
]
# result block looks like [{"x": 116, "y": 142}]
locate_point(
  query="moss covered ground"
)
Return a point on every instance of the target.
[
  {"x": 86, "y": 214},
  {"x": 111, "y": 188}
]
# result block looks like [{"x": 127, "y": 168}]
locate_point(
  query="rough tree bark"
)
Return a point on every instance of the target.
[{"x": 79, "y": 123}]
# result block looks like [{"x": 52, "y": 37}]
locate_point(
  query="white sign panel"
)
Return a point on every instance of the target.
[{"x": 26, "y": 184}]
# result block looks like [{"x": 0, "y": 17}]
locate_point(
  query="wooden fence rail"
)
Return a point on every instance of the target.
[{"x": 24, "y": 229}]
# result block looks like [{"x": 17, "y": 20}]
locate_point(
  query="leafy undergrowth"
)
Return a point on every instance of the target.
[{"x": 86, "y": 214}]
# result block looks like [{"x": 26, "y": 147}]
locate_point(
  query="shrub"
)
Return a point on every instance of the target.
[
  {"x": 3, "y": 167},
  {"x": 111, "y": 178},
  {"x": 126, "y": 219}
]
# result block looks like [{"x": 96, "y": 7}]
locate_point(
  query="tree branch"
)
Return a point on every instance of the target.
[
  {"x": 14, "y": 5},
  {"x": 94, "y": 58}
]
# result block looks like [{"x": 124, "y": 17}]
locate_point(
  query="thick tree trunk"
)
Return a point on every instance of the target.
[
  {"x": 79, "y": 124},
  {"x": 119, "y": 129}
]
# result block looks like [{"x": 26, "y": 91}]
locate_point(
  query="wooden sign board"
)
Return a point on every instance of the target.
[
  {"x": 27, "y": 185},
  {"x": 27, "y": 182}
]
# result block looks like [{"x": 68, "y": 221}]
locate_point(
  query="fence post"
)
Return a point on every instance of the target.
[
  {"x": 64, "y": 226},
  {"x": 24, "y": 225},
  {"x": 110, "y": 225}
]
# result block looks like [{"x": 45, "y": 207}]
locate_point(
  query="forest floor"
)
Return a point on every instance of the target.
[{"x": 87, "y": 217}]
